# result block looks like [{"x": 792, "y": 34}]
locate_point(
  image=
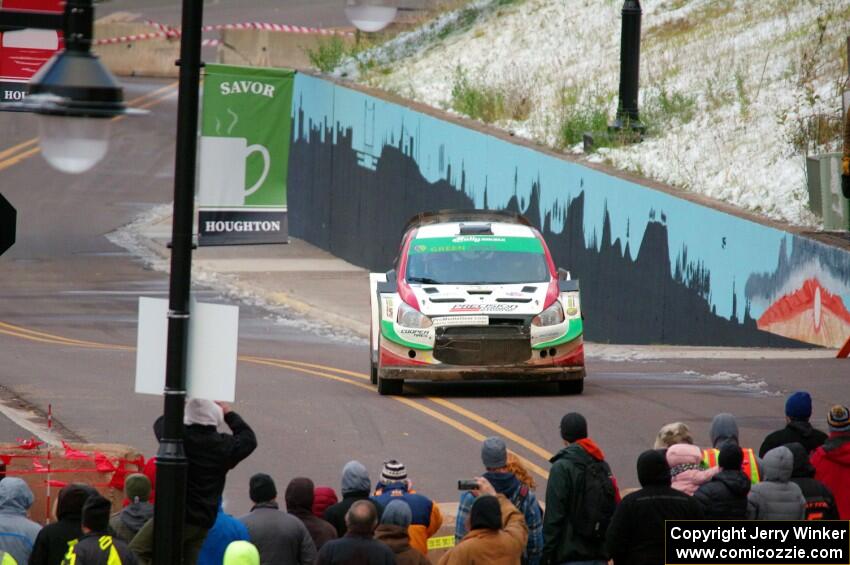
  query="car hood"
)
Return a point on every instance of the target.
[{"x": 491, "y": 300}]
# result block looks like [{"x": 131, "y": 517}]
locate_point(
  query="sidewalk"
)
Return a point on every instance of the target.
[{"x": 313, "y": 283}]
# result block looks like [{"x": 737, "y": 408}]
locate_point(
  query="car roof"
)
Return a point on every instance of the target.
[
  {"x": 453, "y": 229},
  {"x": 475, "y": 216}
]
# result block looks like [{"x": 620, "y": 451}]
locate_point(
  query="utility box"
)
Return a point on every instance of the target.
[{"x": 825, "y": 196}]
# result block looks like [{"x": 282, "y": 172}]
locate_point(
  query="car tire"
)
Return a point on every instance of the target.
[
  {"x": 571, "y": 387},
  {"x": 390, "y": 387}
]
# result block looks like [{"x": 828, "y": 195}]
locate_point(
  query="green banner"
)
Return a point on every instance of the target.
[
  {"x": 476, "y": 243},
  {"x": 244, "y": 153}
]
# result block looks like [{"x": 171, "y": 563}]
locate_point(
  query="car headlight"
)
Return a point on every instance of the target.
[
  {"x": 551, "y": 316},
  {"x": 412, "y": 318}
]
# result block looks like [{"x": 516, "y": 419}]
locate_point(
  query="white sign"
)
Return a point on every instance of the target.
[
  {"x": 212, "y": 352},
  {"x": 444, "y": 321}
]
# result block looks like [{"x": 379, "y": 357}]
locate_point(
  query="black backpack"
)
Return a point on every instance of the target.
[{"x": 597, "y": 501}]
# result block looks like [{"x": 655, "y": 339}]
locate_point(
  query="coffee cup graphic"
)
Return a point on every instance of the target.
[{"x": 223, "y": 170}]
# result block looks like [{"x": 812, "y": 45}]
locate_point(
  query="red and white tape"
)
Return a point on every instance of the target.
[{"x": 168, "y": 32}]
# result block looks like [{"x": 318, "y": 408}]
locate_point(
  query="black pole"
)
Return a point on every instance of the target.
[
  {"x": 627, "y": 108},
  {"x": 171, "y": 465}
]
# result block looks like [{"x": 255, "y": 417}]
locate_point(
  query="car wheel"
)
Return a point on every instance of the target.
[
  {"x": 390, "y": 387},
  {"x": 571, "y": 387}
]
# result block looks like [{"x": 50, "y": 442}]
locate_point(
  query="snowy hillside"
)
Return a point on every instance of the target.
[{"x": 734, "y": 93}]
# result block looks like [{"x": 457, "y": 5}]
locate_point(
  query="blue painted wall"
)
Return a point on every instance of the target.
[{"x": 738, "y": 267}]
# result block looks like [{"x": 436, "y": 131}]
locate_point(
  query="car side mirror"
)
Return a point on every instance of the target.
[{"x": 564, "y": 275}]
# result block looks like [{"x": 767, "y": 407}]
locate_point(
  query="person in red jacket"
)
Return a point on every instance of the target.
[{"x": 832, "y": 460}]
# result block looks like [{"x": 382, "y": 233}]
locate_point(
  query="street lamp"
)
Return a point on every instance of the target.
[
  {"x": 73, "y": 94},
  {"x": 74, "y": 84},
  {"x": 370, "y": 15}
]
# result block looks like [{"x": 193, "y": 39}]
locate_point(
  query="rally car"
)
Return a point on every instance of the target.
[{"x": 475, "y": 295}]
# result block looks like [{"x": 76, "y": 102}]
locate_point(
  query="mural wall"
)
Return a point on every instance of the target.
[{"x": 655, "y": 268}]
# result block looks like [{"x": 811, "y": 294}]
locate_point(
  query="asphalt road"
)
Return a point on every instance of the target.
[{"x": 68, "y": 300}]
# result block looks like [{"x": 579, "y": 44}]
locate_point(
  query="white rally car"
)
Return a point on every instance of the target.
[{"x": 475, "y": 295}]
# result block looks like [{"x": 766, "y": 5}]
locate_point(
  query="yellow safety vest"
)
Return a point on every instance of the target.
[{"x": 749, "y": 466}]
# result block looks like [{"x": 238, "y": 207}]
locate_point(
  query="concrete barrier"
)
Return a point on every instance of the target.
[
  {"x": 149, "y": 57},
  {"x": 260, "y": 48}
]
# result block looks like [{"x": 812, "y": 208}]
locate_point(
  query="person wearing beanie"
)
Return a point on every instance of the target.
[
  {"x": 355, "y": 486},
  {"x": 724, "y": 497},
  {"x": 776, "y": 497},
  {"x": 279, "y": 537},
  {"x": 832, "y": 460},
  {"x": 673, "y": 434},
  {"x": 636, "y": 534},
  {"x": 497, "y": 532},
  {"x": 427, "y": 517},
  {"x": 17, "y": 532},
  {"x": 393, "y": 471},
  {"x": 798, "y": 410},
  {"x": 724, "y": 429},
  {"x": 358, "y": 545},
  {"x": 574, "y": 524},
  {"x": 211, "y": 455},
  {"x": 323, "y": 498},
  {"x": 127, "y": 523},
  {"x": 299, "y": 503},
  {"x": 393, "y": 532},
  {"x": 494, "y": 457},
  {"x": 96, "y": 546},
  {"x": 820, "y": 504},
  {"x": 51, "y": 544}
]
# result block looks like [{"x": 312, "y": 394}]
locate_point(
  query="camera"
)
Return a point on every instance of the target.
[{"x": 467, "y": 484}]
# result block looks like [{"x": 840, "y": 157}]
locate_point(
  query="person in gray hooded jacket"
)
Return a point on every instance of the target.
[
  {"x": 724, "y": 429},
  {"x": 355, "y": 486},
  {"x": 17, "y": 532},
  {"x": 776, "y": 497}
]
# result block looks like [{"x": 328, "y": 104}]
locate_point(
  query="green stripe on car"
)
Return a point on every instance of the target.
[
  {"x": 388, "y": 331},
  {"x": 574, "y": 330}
]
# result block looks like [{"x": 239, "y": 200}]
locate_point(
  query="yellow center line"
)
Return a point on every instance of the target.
[
  {"x": 531, "y": 446},
  {"x": 406, "y": 401},
  {"x": 5, "y": 153},
  {"x": 327, "y": 372},
  {"x": 159, "y": 95}
]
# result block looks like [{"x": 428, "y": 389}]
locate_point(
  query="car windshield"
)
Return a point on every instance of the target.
[{"x": 477, "y": 260}]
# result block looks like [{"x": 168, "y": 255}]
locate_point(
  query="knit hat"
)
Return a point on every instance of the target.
[
  {"x": 731, "y": 457},
  {"x": 573, "y": 427},
  {"x": 137, "y": 487},
  {"x": 799, "y": 406},
  {"x": 96, "y": 511},
  {"x": 393, "y": 471},
  {"x": 494, "y": 453},
  {"x": 838, "y": 419},
  {"x": 203, "y": 413},
  {"x": 261, "y": 488},
  {"x": 397, "y": 513},
  {"x": 485, "y": 513},
  {"x": 672, "y": 434}
]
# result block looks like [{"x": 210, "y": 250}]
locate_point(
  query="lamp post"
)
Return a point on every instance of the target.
[
  {"x": 74, "y": 84},
  {"x": 627, "y": 108},
  {"x": 171, "y": 463}
]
